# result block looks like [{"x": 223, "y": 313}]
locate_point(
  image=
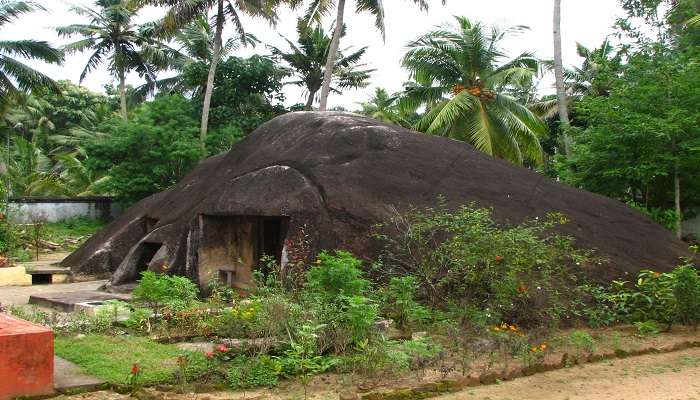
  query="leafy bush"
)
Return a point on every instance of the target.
[
  {"x": 662, "y": 297},
  {"x": 582, "y": 341},
  {"x": 392, "y": 357},
  {"x": 335, "y": 294},
  {"x": 158, "y": 291},
  {"x": 336, "y": 275},
  {"x": 253, "y": 372},
  {"x": 150, "y": 153},
  {"x": 687, "y": 292},
  {"x": 399, "y": 303},
  {"x": 520, "y": 273},
  {"x": 647, "y": 328}
]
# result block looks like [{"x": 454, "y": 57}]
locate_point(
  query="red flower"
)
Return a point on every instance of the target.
[
  {"x": 134, "y": 369},
  {"x": 222, "y": 348},
  {"x": 210, "y": 355}
]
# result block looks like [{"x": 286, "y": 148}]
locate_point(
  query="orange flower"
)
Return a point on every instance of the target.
[
  {"x": 499, "y": 258},
  {"x": 533, "y": 350},
  {"x": 543, "y": 346},
  {"x": 522, "y": 288}
]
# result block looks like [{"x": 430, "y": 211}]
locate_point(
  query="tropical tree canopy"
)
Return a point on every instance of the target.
[
  {"x": 384, "y": 107},
  {"x": 462, "y": 74},
  {"x": 112, "y": 37},
  {"x": 307, "y": 60},
  {"x": 16, "y": 77},
  {"x": 194, "y": 43}
]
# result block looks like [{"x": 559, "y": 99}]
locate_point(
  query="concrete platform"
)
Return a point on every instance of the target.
[
  {"x": 66, "y": 301},
  {"x": 20, "y": 294},
  {"x": 69, "y": 377}
]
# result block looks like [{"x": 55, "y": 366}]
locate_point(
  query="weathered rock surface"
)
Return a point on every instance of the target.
[{"x": 334, "y": 175}]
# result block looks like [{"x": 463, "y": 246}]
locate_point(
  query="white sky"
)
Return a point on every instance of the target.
[{"x": 585, "y": 21}]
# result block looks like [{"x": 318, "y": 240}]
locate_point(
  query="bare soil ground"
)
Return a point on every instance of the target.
[{"x": 669, "y": 376}]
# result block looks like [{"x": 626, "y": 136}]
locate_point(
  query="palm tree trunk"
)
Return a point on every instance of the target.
[
  {"x": 677, "y": 199},
  {"x": 559, "y": 77},
  {"x": 215, "y": 58},
  {"x": 310, "y": 101},
  {"x": 122, "y": 95},
  {"x": 332, "y": 55}
]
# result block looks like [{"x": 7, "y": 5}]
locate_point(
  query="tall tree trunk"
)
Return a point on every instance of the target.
[
  {"x": 122, "y": 95},
  {"x": 310, "y": 101},
  {"x": 559, "y": 76},
  {"x": 332, "y": 55},
  {"x": 215, "y": 58},
  {"x": 677, "y": 199}
]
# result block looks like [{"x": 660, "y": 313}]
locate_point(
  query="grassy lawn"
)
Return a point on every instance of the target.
[
  {"x": 79, "y": 228},
  {"x": 111, "y": 358}
]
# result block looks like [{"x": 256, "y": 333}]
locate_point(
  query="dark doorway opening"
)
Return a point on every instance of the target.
[
  {"x": 233, "y": 246},
  {"x": 41, "y": 279},
  {"x": 146, "y": 253}
]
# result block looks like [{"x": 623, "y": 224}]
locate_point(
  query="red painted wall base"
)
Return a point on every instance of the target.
[{"x": 26, "y": 358}]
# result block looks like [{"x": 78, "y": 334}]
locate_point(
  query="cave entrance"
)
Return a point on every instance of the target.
[{"x": 232, "y": 247}]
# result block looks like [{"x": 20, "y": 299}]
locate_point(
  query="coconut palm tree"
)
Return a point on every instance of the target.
[
  {"x": 16, "y": 77},
  {"x": 112, "y": 37},
  {"x": 462, "y": 74},
  {"x": 194, "y": 44},
  {"x": 183, "y": 12},
  {"x": 319, "y": 8},
  {"x": 307, "y": 61},
  {"x": 589, "y": 79},
  {"x": 384, "y": 107},
  {"x": 562, "y": 106}
]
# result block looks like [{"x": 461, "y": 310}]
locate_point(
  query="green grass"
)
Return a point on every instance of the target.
[
  {"x": 72, "y": 228},
  {"x": 111, "y": 357}
]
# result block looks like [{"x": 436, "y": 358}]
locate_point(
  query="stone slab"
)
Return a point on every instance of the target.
[
  {"x": 66, "y": 301},
  {"x": 68, "y": 377}
]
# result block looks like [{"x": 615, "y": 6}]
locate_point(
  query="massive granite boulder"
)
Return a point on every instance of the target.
[{"x": 309, "y": 181}]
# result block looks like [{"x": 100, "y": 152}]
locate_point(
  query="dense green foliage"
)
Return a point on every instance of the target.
[
  {"x": 521, "y": 273},
  {"x": 150, "y": 153},
  {"x": 652, "y": 110},
  {"x": 247, "y": 93}
]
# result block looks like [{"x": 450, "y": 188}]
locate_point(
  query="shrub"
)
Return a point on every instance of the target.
[
  {"x": 686, "y": 289},
  {"x": 582, "y": 341},
  {"x": 399, "y": 303},
  {"x": 335, "y": 294},
  {"x": 336, "y": 275},
  {"x": 247, "y": 372},
  {"x": 661, "y": 297},
  {"x": 647, "y": 328},
  {"x": 158, "y": 291},
  {"x": 521, "y": 273}
]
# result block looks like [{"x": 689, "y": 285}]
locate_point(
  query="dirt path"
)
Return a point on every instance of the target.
[{"x": 670, "y": 376}]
